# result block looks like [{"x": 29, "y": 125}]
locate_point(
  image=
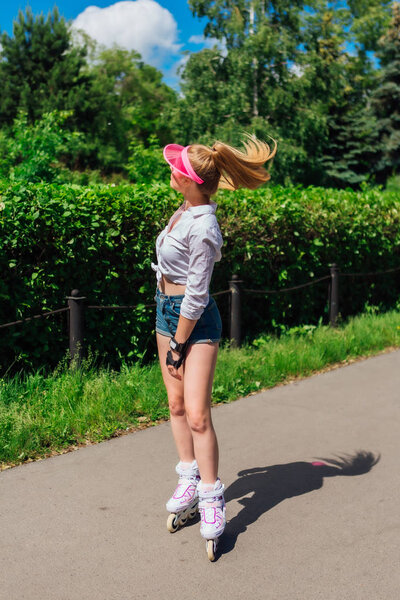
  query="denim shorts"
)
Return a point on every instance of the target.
[{"x": 207, "y": 329}]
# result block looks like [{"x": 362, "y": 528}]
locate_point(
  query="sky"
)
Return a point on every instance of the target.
[{"x": 161, "y": 30}]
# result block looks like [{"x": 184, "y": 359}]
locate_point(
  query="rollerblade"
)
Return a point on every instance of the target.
[
  {"x": 183, "y": 504},
  {"x": 212, "y": 514}
]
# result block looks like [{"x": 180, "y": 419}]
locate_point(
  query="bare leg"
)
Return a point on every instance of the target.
[
  {"x": 175, "y": 390},
  {"x": 198, "y": 377}
]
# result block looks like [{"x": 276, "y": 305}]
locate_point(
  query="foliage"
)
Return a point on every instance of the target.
[
  {"x": 386, "y": 99},
  {"x": 6, "y": 159},
  {"x": 393, "y": 184},
  {"x": 100, "y": 240},
  {"x": 34, "y": 150},
  {"x": 289, "y": 69},
  {"x": 352, "y": 155},
  {"x": 41, "y": 71},
  {"x": 134, "y": 109},
  {"x": 146, "y": 165},
  {"x": 274, "y": 70},
  {"x": 113, "y": 98}
]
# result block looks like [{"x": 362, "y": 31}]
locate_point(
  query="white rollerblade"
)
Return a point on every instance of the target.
[
  {"x": 183, "y": 504},
  {"x": 212, "y": 514}
]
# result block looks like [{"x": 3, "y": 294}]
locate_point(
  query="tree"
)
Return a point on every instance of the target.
[
  {"x": 352, "y": 150},
  {"x": 113, "y": 99},
  {"x": 135, "y": 105},
  {"x": 41, "y": 70},
  {"x": 261, "y": 38},
  {"x": 284, "y": 69},
  {"x": 386, "y": 99},
  {"x": 137, "y": 93}
]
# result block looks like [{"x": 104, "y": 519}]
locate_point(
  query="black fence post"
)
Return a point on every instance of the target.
[
  {"x": 235, "y": 311},
  {"x": 76, "y": 326},
  {"x": 334, "y": 295}
]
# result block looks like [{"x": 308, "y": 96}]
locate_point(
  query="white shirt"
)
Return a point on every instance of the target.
[{"x": 186, "y": 254}]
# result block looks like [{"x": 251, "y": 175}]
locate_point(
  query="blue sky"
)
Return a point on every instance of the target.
[{"x": 160, "y": 29}]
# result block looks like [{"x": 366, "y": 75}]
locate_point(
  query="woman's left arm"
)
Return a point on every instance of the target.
[{"x": 183, "y": 331}]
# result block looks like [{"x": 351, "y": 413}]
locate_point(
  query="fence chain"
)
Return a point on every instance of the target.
[
  {"x": 369, "y": 274},
  {"x": 121, "y": 307},
  {"x": 53, "y": 312},
  {"x": 296, "y": 287}
]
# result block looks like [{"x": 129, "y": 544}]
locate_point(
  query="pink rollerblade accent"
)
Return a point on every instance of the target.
[
  {"x": 212, "y": 511},
  {"x": 212, "y": 516},
  {"x": 185, "y": 494}
]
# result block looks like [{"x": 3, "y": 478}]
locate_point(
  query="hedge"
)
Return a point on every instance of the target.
[{"x": 100, "y": 239}]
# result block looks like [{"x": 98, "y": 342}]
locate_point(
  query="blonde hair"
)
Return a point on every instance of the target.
[{"x": 223, "y": 166}]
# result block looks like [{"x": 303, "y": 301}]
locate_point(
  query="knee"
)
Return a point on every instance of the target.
[
  {"x": 176, "y": 406},
  {"x": 199, "y": 422}
]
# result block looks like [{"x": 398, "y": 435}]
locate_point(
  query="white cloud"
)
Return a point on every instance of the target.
[
  {"x": 141, "y": 25},
  {"x": 198, "y": 39},
  {"x": 209, "y": 43}
]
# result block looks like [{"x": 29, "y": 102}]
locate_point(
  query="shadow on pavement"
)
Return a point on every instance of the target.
[{"x": 273, "y": 484}]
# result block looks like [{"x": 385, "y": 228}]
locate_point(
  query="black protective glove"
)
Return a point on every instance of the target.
[{"x": 181, "y": 349}]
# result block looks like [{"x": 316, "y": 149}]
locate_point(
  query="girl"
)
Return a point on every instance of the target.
[{"x": 188, "y": 323}]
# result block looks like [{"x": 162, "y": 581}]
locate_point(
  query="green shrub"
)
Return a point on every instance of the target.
[
  {"x": 6, "y": 159},
  {"x": 282, "y": 237},
  {"x": 100, "y": 240}
]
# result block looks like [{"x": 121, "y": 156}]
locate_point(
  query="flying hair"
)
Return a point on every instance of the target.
[{"x": 223, "y": 166}]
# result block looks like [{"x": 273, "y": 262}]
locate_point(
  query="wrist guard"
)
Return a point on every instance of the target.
[{"x": 180, "y": 349}]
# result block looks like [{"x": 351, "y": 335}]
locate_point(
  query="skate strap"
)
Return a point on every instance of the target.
[
  {"x": 211, "y": 493},
  {"x": 211, "y": 505}
]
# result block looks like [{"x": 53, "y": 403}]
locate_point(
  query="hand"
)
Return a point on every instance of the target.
[{"x": 172, "y": 371}]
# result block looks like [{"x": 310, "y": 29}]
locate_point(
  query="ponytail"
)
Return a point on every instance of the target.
[{"x": 223, "y": 166}]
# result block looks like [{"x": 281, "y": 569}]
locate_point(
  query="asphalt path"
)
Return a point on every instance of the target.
[{"x": 91, "y": 524}]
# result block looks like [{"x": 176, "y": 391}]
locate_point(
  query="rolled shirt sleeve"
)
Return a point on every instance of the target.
[{"x": 204, "y": 250}]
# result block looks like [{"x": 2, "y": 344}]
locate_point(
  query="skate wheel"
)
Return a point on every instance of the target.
[
  {"x": 172, "y": 523},
  {"x": 211, "y": 546},
  {"x": 193, "y": 513}
]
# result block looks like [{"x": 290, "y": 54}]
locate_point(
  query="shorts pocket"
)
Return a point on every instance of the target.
[{"x": 174, "y": 308}]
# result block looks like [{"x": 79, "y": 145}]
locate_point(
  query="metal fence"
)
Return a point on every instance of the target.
[{"x": 77, "y": 306}]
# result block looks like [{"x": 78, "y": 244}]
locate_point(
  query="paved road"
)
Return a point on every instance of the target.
[{"x": 90, "y": 525}]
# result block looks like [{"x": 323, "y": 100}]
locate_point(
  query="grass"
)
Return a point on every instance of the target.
[{"x": 41, "y": 416}]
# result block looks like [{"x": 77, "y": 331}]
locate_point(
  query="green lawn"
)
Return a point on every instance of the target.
[{"x": 42, "y": 415}]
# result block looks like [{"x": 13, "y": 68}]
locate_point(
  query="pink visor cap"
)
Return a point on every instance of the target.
[{"x": 177, "y": 157}]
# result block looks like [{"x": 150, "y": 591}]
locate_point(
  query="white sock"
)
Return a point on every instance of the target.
[{"x": 208, "y": 487}]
